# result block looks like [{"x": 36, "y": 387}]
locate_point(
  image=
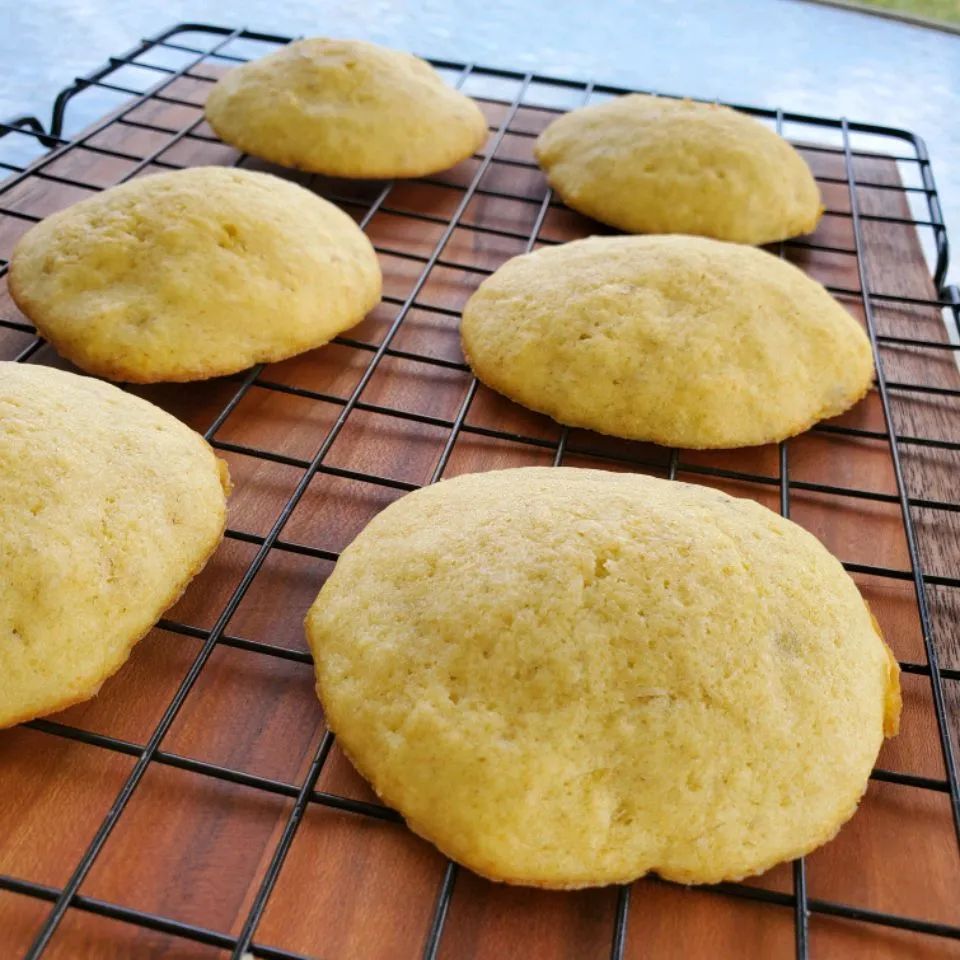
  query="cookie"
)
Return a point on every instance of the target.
[
  {"x": 568, "y": 678},
  {"x": 678, "y": 340},
  {"x": 110, "y": 506},
  {"x": 346, "y": 108},
  {"x": 657, "y": 165},
  {"x": 194, "y": 274}
]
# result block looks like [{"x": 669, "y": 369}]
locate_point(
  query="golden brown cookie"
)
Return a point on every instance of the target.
[
  {"x": 194, "y": 274},
  {"x": 568, "y": 678},
  {"x": 680, "y": 340},
  {"x": 659, "y": 165},
  {"x": 346, "y": 108},
  {"x": 110, "y": 506}
]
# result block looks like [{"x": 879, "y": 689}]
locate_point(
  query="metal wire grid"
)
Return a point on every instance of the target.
[{"x": 306, "y": 792}]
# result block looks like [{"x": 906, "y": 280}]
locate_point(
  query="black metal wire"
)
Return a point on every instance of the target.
[
  {"x": 801, "y": 912},
  {"x": 300, "y": 808},
  {"x": 444, "y": 896},
  {"x": 282, "y": 848},
  {"x": 621, "y": 923},
  {"x": 916, "y": 563},
  {"x": 567, "y": 442},
  {"x": 456, "y": 427}
]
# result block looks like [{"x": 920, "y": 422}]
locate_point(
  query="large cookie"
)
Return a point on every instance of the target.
[
  {"x": 569, "y": 677},
  {"x": 658, "y": 165},
  {"x": 678, "y": 340},
  {"x": 194, "y": 274},
  {"x": 110, "y": 506},
  {"x": 347, "y": 109}
]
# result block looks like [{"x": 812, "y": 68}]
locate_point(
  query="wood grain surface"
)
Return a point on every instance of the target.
[{"x": 194, "y": 848}]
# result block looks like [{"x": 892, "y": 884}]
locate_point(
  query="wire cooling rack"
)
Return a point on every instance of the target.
[{"x": 437, "y": 238}]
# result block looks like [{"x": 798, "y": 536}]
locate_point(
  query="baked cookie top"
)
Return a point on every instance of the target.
[
  {"x": 658, "y": 165},
  {"x": 110, "y": 506},
  {"x": 569, "y": 677},
  {"x": 194, "y": 274},
  {"x": 678, "y": 340},
  {"x": 346, "y": 108}
]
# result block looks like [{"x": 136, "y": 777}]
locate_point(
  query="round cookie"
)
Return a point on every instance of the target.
[
  {"x": 657, "y": 165},
  {"x": 110, "y": 506},
  {"x": 567, "y": 678},
  {"x": 194, "y": 274},
  {"x": 678, "y": 340},
  {"x": 346, "y": 108}
]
